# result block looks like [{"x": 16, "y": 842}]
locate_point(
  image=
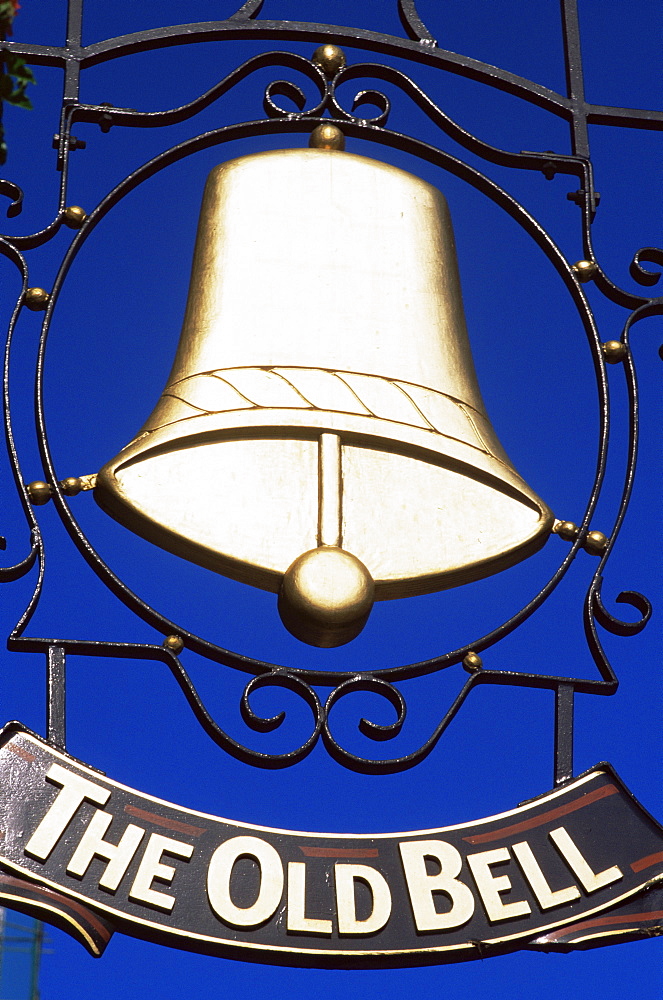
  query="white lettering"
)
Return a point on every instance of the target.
[
  {"x": 271, "y": 881},
  {"x": 92, "y": 845},
  {"x": 545, "y": 896},
  {"x": 150, "y": 868},
  {"x": 345, "y": 876},
  {"x": 491, "y": 886},
  {"x": 74, "y": 791},
  {"x": 589, "y": 880},
  {"x": 297, "y": 919},
  {"x": 421, "y": 885}
]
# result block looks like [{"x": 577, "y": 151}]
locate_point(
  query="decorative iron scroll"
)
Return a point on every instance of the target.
[{"x": 419, "y": 48}]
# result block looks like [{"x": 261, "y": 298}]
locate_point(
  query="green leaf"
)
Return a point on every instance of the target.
[
  {"x": 7, "y": 11},
  {"x": 16, "y": 67},
  {"x": 19, "y": 100}
]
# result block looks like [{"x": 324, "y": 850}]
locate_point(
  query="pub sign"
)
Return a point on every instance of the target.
[{"x": 324, "y": 440}]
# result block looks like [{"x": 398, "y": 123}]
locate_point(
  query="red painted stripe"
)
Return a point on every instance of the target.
[
  {"x": 339, "y": 852},
  {"x": 631, "y": 918},
  {"x": 167, "y": 824},
  {"x": 21, "y": 752},
  {"x": 651, "y": 859},
  {"x": 63, "y": 902},
  {"x": 546, "y": 817}
]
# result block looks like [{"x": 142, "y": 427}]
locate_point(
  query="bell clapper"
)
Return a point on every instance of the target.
[
  {"x": 327, "y": 593},
  {"x": 330, "y": 490}
]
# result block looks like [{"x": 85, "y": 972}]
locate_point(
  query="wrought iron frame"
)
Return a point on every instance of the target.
[{"x": 421, "y": 48}]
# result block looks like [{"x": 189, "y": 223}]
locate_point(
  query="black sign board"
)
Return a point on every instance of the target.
[{"x": 566, "y": 869}]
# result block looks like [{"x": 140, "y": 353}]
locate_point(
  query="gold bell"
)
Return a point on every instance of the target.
[{"x": 322, "y": 433}]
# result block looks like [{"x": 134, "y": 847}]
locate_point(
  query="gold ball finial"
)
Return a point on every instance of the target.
[
  {"x": 596, "y": 543},
  {"x": 613, "y": 351},
  {"x": 329, "y": 58},
  {"x": 473, "y": 662},
  {"x": 584, "y": 270},
  {"x": 327, "y": 137},
  {"x": 39, "y": 493},
  {"x": 174, "y": 643},
  {"x": 71, "y": 486},
  {"x": 326, "y": 597},
  {"x": 567, "y": 530},
  {"x": 74, "y": 216},
  {"x": 36, "y": 299}
]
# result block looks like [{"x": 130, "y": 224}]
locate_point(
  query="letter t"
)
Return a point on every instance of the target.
[{"x": 74, "y": 791}]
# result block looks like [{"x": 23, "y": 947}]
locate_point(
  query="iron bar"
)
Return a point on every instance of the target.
[
  {"x": 56, "y": 712},
  {"x": 563, "y": 733},
  {"x": 575, "y": 84},
  {"x": 231, "y": 30}
]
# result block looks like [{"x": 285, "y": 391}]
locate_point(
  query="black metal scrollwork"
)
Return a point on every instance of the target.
[
  {"x": 616, "y": 625},
  {"x": 413, "y": 24},
  {"x": 651, "y": 255},
  {"x": 248, "y": 10},
  {"x": 13, "y": 191}
]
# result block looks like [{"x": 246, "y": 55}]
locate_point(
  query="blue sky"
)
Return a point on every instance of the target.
[{"x": 114, "y": 331}]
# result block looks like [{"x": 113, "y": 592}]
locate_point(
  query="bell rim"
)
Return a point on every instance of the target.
[
  {"x": 112, "y": 501},
  {"x": 431, "y": 446},
  {"x": 360, "y": 431}
]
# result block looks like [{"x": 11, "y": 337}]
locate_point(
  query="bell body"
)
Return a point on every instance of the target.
[{"x": 323, "y": 393}]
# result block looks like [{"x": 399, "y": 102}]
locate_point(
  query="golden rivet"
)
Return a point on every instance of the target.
[
  {"x": 74, "y": 216},
  {"x": 584, "y": 270},
  {"x": 36, "y": 299},
  {"x": 567, "y": 530},
  {"x": 473, "y": 662},
  {"x": 71, "y": 486},
  {"x": 39, "y": 492},
  {"x": 596, "y": 543},
  {"x": 613, "y": 351},
  {"x": 329, "y": 58},
  {"x": 327, "y": 137},
  {"x": 326, "y": 597},
  {"x": 174, "y": 643}
]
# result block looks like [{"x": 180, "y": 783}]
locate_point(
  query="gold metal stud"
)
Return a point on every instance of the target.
[
  {"x": 174, "y": 643},
  {"x": 327, "y": 137},
  {"x": 36, "y": 299},
  {"x": 71, "y": 486},
  {"x": 596, "y": 543},
  {"x": 613, "y": 351},
  {"x": 74, "y": 216},
  {"x": 326, "y": 597},
  {"x": 567, "y": 530},
  {"x": 473, "y": 662},
  {"x": 39, "y": 492},
  {"x": 584, "y": 270},
  {"x": 330, "y": 59}
]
